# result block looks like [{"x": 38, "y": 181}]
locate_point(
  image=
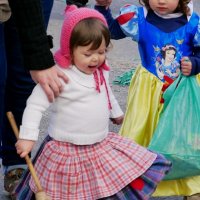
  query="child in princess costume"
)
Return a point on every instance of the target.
[
  {"x": 163, "y": 107},
  {"x": 80, "y": 159}
]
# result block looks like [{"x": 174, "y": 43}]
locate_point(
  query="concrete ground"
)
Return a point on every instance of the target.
[{"x": 122, "y": 57}]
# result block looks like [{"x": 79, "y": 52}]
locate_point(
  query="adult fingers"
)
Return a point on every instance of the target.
[
  {"x": 63, "y": 76},
  {"x": 48, "y": 91}
]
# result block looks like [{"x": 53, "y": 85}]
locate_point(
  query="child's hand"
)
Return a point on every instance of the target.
[
  {"x": 186, "y": 66},
  {"x": 24, "y": 147},
  {"x": 105, "y": 3},
  {"x": 117, "y": 120}
]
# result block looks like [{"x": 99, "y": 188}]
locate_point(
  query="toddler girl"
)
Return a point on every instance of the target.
[{"x": 80, "y": 159}]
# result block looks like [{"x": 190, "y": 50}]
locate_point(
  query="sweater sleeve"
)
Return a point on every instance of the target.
[
  {"x": 128, "y": 20},
  {"x": 125, "y": 24},
  {"x": 37, "y": 104},
  {"x": 34, "y": 41},
  {"x": 195, "y": 59},
  {"x": 116, "y": 111}
]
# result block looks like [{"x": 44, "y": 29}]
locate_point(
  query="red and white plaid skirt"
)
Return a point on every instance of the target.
[{"x": 67, "y": 171}]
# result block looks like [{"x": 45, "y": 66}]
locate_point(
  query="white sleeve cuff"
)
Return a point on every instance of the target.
[
  {"x": 28, "y": 133},
  {"x": 116, "y": 111}
]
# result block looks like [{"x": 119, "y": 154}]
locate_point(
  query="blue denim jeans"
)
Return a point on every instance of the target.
[{"x": 15, "y": 85}]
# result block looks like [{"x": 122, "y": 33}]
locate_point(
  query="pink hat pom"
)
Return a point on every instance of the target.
[
  {"x": 61, "y": 60},
  {"x": 70, "y": 8}
]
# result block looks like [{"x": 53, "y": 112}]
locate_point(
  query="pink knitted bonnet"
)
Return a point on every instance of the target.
[{"x": 73, "y": 15}]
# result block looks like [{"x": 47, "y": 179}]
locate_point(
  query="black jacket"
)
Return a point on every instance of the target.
[{"x": 34, "y": 41}]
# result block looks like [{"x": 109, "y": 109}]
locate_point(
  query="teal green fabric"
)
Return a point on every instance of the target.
[
  {"x": 177, "y": 135},
  {"x": 124, "y": 79}
]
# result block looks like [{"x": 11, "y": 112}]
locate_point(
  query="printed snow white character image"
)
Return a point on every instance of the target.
[{"x": 167, "y": 65}]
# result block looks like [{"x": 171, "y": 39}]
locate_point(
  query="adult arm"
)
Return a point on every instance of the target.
[{"x": 35, "y": 46}]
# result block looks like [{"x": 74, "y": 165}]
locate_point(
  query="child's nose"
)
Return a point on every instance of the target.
[
  {"x": 161, "y": 1},
  {"x": 95, "y": 58}
]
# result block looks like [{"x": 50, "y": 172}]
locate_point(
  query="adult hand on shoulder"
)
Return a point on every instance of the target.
[
  {"x": 105, "y": 3},
  {"x": 49, "y": 79}
]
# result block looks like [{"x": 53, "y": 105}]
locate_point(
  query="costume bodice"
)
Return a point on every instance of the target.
[{"x": 161, "y": 51}]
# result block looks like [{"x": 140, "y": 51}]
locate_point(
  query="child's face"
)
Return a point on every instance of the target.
[
  {"x": 164, "y": 7},
  {"x": 86, "y": 60}
]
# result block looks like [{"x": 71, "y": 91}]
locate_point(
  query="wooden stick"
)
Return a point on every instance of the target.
[{"x": 27, "y": 158}]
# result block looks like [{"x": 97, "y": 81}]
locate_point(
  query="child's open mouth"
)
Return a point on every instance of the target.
[{"x": 92, "y": 66}]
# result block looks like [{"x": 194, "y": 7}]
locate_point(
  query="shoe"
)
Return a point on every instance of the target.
[
  {"x": 11, "y": 180},
  {"x": 193, "y": 197}
]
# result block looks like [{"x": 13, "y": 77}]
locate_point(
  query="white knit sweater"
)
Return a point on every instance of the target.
[{"x": 80, "y": 115}]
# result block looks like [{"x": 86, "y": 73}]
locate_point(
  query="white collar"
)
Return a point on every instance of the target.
[
  {"x": 169, "y": 16},
  {"x": 86, "y": 80}
]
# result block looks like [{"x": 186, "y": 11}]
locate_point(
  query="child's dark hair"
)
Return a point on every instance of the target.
[
  {"x": 89, "y": 31},
  {"x": 182, "y": 6}
]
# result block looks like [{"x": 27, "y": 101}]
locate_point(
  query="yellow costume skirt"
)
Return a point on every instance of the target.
[
  {"x": 143, "y": 107},
  {"x": 141, "y": 118}
]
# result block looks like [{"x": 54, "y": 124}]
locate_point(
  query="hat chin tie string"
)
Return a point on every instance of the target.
[{"x": 99, "y": 80}]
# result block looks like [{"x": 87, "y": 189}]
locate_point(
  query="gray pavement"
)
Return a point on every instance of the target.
[{"x": 122, "y": 57}]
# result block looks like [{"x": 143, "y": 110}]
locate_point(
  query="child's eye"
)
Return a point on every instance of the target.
[
  {"x": 102, "y": 52},
  {"x": 87, "y": 54}
]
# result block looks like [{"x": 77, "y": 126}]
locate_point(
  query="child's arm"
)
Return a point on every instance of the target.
[
  {"x": 186, "y": 66},
  {"x": 116, "y": 113},
  {"x": 114, "y": 27},
  {"x": 195, "y": 58},
  {"x": 117, "y": 120},
  {"x": 124, "y": 25},
  {"x": 37, "y": 104},
  {"x": 195, "y": 64},
  {"x": 24, "y": 147}
]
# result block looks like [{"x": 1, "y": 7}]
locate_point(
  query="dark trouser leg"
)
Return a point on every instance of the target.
[
  {"x": 19, "y": 86},
  {"x": 3, "y": 73}
]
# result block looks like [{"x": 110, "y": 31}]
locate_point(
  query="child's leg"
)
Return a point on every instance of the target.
[{"x": 193, "y": 197}]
